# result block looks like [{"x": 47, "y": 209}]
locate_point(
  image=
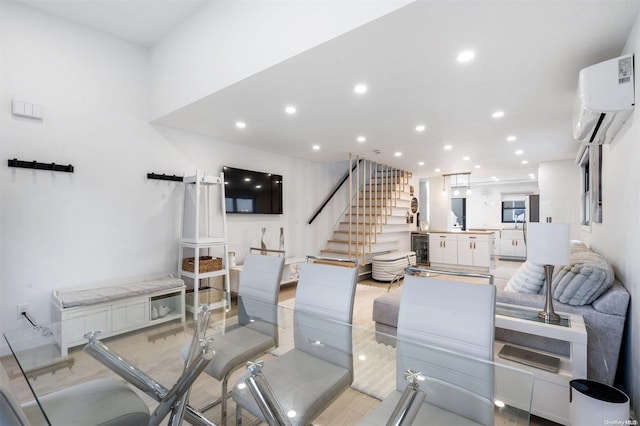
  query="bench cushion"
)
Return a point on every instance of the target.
[{"x": 92, "y": 296}]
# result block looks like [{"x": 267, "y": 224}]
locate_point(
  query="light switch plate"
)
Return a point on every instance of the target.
[
  {"x": 18, "y": 108},
  {"x": 26, "y": 109},
  {"x": 38, "y": 111}
]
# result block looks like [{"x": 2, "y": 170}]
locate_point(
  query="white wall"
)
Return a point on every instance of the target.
[
  {"x": 227, "y": 41},
  {"x": 484, "y": 208},
  {"x": 617, "y": 236},
  {"x": 106, "y": 221},
  {"x": 484, "y": 205}
]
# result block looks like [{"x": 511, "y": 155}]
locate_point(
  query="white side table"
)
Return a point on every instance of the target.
[
  {"x": 551, "y": 390},
  {"x": 289, "y": 273}
]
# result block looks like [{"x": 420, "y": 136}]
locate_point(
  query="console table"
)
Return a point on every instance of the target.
[
  {"x": 550, "y": 390},
  {"x": 289, "y": 273}
]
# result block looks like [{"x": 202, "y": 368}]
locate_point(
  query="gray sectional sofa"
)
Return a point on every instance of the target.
[{"x": 604, "y": 319}]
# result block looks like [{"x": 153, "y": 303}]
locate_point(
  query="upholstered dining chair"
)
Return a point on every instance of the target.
[
  {"x": 257, "y": 328},
  {"x": 101, "y": 401},
  {"x": 445, "y": 332},
  {"x": 307, "y": 378}
]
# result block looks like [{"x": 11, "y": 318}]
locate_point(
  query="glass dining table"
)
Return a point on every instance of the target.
[{"x": 37, "y": 367}]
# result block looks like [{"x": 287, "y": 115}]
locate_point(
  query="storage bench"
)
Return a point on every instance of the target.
[{"x": 116, "y": 308}]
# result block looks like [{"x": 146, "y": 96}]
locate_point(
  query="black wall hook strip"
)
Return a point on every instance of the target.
[
  {"x": 164, "y": 177},
  {"x": 40, "y": 166}
]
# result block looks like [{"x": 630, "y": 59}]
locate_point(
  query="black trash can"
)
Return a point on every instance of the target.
[{"x": 595, "y": 403}]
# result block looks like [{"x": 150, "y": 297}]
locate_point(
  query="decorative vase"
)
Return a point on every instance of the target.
[
  {"x": 263, "y": 246},
  {"x": 163, "y": 310},
  {"x": 281, "y": 247},
  {"x": 154, "y": 313}
]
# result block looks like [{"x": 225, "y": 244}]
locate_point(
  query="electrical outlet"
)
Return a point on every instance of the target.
[{"x": 22, "y": 307}]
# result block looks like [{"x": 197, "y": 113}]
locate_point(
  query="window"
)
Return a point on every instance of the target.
[
  {"x": 586, "y": 190},
  {"x": 513, "y": 211},
  {"x": 591, "y": 191}
]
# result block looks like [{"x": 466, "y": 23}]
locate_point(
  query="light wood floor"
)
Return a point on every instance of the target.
[{"x": 137, "y": 347}]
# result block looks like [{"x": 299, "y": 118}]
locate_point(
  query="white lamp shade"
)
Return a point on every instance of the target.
[{"x": 548, "y": 243}]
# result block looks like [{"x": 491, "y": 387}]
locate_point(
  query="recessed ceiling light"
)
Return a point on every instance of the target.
[
  {"x": 398, "y": 154},
  {"x": 290, "y": 110},
  {"x": 316, "y": 147},
  {"x": 466, "y": 55},
  {"x": 420, "y": 163},
  {"x": 258, "y": 186},
  {"x": 465, "y": 158},
  {"x": 421, "y": 128},
  {"x": 477, "y": 166},
  {"x": 498, "y": 114},
  {"x": 494, "y": 177},
  {"x": 511, "y": 138},
  {"x": 360, "y": 89},
  {"x": 361, "y": 139},
  {"x": 532, "y": 176},
  {"x": 447, "y": 147},
  {"x": 525, "y": 162},
  {"x": 241, "y": 124},
  {"x": 436, "y": 170},
  {"x": 247, "y": 179},
  {"x": 519, "y": 152}
]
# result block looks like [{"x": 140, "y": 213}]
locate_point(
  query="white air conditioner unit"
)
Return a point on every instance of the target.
[{"x": 606, "y": 98}]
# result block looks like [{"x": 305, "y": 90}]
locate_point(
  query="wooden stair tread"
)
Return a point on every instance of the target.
[
  {"x": 354, "y": 232},
  {"x": 360, "y": 243}
]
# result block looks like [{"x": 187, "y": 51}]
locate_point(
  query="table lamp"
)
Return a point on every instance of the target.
[{"x": 548, "y": 245}]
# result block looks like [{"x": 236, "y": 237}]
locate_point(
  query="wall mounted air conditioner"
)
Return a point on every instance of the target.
[{"x": 606, "y": 98}]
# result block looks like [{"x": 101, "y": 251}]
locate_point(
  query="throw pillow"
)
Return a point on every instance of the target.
[
  {"x": 529, "y": 278},
  {"x": 582, "y": 282}
]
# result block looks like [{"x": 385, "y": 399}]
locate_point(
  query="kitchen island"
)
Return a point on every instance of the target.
[{"x": 461, "y": 250}]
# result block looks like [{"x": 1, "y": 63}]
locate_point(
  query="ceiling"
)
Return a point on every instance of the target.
[
  {"x": 527, "y": 58},
  {"x": 143, "y": 22}
]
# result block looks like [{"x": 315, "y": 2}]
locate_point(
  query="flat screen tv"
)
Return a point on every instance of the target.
[{"x": 251, "y": 192}]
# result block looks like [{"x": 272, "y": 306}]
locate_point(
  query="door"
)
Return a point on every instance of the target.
[
  {"x": 465, "y": 250},
  {"x": 436, "y": 250},
  {"x": 459, "y": 210},
  {"x": 481, "y": 253}
]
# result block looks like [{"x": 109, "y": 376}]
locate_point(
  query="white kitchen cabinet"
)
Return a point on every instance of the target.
[
  {"x": 443, "y": 248},
  {"x": 470, "y": 250},
  {"x": 512, "y": 245},
  {"x": 475, "y": 250}
]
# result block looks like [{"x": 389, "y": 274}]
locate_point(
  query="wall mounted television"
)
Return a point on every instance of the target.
[{"x": 252, "y": 192}]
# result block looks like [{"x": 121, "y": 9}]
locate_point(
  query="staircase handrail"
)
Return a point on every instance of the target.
[{"x": 334, "y": 191}]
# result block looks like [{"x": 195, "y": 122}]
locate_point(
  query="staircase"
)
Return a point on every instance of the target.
[{"x": 376, "y": 221}]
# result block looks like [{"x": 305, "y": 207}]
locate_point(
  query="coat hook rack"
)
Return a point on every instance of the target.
[
  {"x": 40, "y": 166},
  {"x": 164, "y": 177}
]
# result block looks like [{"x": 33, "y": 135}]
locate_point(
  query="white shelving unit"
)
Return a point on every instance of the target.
[{"x": 204, "y": 233}]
